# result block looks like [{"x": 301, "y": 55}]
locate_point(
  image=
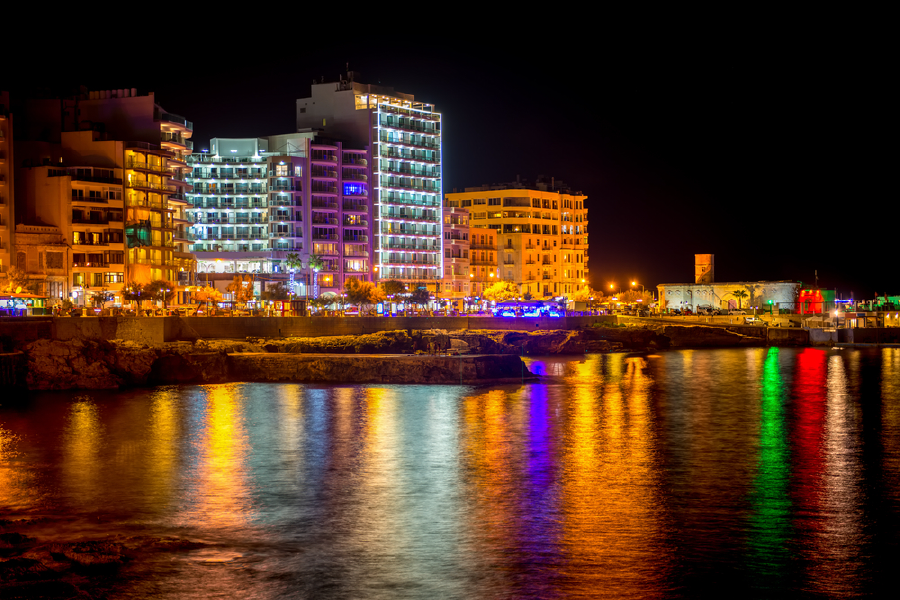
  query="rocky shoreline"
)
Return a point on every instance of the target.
[{"x": 415, "y": 356}]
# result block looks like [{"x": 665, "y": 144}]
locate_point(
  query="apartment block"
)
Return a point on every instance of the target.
[
  {"x": 541, "y": 234},
  {"x": 107, "y": 170},
  {"x": 456, "y": 282},
  {"x": 403, "y": 137},
  {"x": 483, "y": 268},
  {"x": 7, "y": 218},
  {"x": 256, "y": 200}
]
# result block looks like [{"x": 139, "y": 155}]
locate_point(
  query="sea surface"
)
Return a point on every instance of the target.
[{"x": 760, "y": 472}]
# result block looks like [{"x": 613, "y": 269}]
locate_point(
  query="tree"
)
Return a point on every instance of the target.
[
  {"x": 17, "y": 282},
  {"x": 277, "y": 291},
  {"x": 585, "y": 294},
  {"x": 314, "y": 264},
  {"x": 98, "y": 299},
  {"x": 241, "y": 289},
  {"x": 292, "y": 260},
  {"x": 392, "y": 287},
  {"x": 161, "y": 290},
  {"x": 207, "y": 295},
  {"x": 420, "y": 296},
  {"x": 502, "y": 291},
  {"x": 739, "y": 294},
  {"x": 134, "y": 292},
  {"x": 363, "y": 294}
]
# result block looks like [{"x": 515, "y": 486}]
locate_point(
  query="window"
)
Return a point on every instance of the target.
[{"x": 493, "y": 201}]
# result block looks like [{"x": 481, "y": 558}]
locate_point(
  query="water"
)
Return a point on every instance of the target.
[{"x": 746, "y": 472}]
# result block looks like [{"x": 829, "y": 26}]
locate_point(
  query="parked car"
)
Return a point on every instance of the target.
[
  {"x": 737, "y": 311},
  {"x": 753, "y": 321}
]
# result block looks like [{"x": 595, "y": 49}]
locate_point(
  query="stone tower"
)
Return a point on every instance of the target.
[{"x": 704, "y": 268}]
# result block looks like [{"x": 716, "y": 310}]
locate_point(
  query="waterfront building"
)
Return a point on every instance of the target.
[
  {"x": 705, "y": 292},
  {"x": 107, "y": 168},
  {"x": 456, "y": 284},
  {"x": 541, "y": 232},
  {"x": 257, "y": 200},
  {"x": 7, "y": 217},
  {"x": 483, "y": 268},
  {"x": 403, "y": 137}
]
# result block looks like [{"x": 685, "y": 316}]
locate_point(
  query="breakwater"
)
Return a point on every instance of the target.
[{"x": 87, "y": 364}]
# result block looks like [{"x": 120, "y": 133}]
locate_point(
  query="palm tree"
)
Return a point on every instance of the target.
[
  {"x": 293, "y": 261},
  {"x": 739, "y": 294},
  {"x": 315, "y": 263}
]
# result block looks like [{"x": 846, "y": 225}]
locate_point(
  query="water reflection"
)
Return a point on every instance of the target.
[
  {"x": 219, "y": 493},
  {"x": 676, "y": 474},
  {"x": 611, "y": 509},
  {"x": 82, "y": 463},
  {"x": 771, "y": 504}
]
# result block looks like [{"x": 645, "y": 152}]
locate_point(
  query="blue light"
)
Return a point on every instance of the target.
[{"x": 354, "y": 189}]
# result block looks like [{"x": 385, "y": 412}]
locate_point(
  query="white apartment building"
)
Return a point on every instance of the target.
[{"x": 405, "y": 189}]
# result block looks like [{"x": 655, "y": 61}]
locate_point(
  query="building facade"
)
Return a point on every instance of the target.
[
  {"x": 542, "y": 235},
  {"x": 108, "y": 170},
  {"x": 7, "y": 194},
  {"x": 705, "y": 292},
  {"x": 404, "y": 186},
  {"x": 257, "y": 200}
]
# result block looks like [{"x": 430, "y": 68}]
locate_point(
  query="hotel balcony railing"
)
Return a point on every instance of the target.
[
  {"x": 405, "y": 199},
  {"x": 356, "y": 239},
  {"x": 409, "y": 173},
  {"x": 325, "y": 204},
  {"x": 408, "y": 246},
  {"x": 175, "y": 119},
  {"x": 355, "y": 162},
  {"x": 355, "y": 207},
  {"x": 285, "y": 188},
  {"x": 323, "y": 157},
  {"x": 423, "y": 143},
  {"x": 325, "y": 236},
  {"x": 394, "y": 153},
  {"x": 171, "y": 138},
  {"x": 149, "y": 185},
  {"x": 323, "y": 173},
  {"x": 407, "y": 127},
  {"x": 359, "y": 253},
  {"x": 360, "y": 223},
  {"x": 355, "y": 177},
  {"x": 408, "y": 231},
  {"x": 145, "y": 166},
  {"x": 145, "y": 203},
  {"x": 406, "y": 112},
  {"x": 324, "y": 189}
]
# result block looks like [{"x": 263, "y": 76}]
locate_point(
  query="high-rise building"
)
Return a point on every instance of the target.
[
  {"x": 107, "y": 168},
  {"x": 403, "y": 137},
  {"x": 257, "y": 200},
  {"x": 483, "y": 254},
  {"x": 541, "y": 233},
  {"x": 7, "y": 221}
]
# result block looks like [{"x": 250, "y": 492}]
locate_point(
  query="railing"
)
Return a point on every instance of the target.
[
  {"x": 140, "y": 164},
  {"x": 141, "y": 184},
  {"x": 324, "y": 204},
  {"x": 176, "y": 119},
  {"x": 356, "y": 207},
  {"x": 358, "y": 238}
]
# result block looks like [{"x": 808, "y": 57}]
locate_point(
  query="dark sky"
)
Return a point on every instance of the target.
[{"x": 764, "y": 146}]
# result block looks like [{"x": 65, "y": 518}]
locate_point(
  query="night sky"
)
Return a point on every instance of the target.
[{"x": 763, "y": 146}]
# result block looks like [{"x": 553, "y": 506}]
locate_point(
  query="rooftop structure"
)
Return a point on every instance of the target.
[{"x": 404, "y": 184}]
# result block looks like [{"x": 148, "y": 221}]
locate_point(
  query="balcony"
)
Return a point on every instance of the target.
[
  {"x": 160, "y": 188},
  {"x": 353, "y": 207},
  {"x": 175, "y": 120},
  {"x": 360, "y": 239},
  {"x": 324, "y": 204},
  {"x": 140, "y": 165}
]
